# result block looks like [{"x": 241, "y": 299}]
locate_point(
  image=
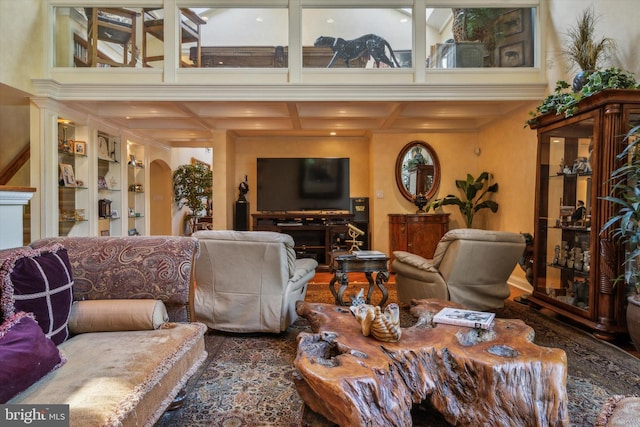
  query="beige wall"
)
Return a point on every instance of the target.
[
  {"x": 509, "y": 152},
  {"x": 22, "y": 38},
  {"x": 456, "y": 157}
]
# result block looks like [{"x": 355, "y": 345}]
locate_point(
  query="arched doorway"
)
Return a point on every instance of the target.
[{"x": 161, "y": 196}]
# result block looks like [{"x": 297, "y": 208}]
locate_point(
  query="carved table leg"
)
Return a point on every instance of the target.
[
  {"x": 343, "y": 278},
  {"x": 381, "y": 278},
  {"x": 371, "y": 284},
  {"x": 332, "y": 287}
]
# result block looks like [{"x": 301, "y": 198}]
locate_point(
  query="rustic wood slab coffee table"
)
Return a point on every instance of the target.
[{"x": 496, "y": 377}]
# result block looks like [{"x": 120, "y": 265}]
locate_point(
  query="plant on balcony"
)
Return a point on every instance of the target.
[
  {"x": 564, "y": 101},
  {"x": 192, "y": 187},
  {"x": 478, "y": 24},
  {"x": 476, "y": 193},
  {"x": 583, "y": 50}
]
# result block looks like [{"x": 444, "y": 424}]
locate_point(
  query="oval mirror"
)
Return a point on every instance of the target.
[{"x": 417, "y": 170}]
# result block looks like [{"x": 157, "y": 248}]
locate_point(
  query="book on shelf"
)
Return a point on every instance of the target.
[
  {"x": 461, "y": 317},
  {"x": 369, "y": 254}
]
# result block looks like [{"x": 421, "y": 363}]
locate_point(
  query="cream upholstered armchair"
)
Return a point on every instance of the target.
[
  {"x": 249, "y": 281},
  {"x": 469, "y": 266}
]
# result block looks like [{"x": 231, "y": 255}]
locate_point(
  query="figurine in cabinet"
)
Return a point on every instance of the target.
[
  {"x": 580, "y": 212},
  {"x": 579, "y": 293}
]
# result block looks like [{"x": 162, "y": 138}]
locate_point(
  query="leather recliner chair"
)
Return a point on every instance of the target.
[
  {"x": 469, "y": 266},
  {"x": 249, "y": 281}
]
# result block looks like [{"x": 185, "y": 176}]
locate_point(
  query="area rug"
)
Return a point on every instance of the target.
[{"x": 247, "y": 379}]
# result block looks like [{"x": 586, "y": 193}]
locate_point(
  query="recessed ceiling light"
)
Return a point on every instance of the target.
[
  {"x": 330, "y": 21},
  {"x": 332, "y": 133},
  {"x": 403, "y": 20},
  {"x": 259, "y": 19}
]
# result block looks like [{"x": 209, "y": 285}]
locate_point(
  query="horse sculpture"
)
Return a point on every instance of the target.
[{"x": 348, "y": 50}]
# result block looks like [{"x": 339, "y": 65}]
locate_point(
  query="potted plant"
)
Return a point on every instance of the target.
[
  {"x": 625, "y": 194},
  {"x": 583, "y": 50},
  {"x": 192, "y": 187},
  {"x": 564, "y": 101},
  {"x": 478, "y": 24},
  {"x": 475, "y": 196}
]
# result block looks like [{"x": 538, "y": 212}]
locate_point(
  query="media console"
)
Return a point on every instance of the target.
[{"x": 315, "y": 234}]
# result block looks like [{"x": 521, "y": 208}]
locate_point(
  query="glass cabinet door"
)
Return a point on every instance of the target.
[{"x": 565, "y": 200}]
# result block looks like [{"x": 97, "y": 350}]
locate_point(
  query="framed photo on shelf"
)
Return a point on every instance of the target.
[
  {"x": 67, "y": 176},
  {"x": 104, "y": 232},
  {"x": 80, "y": 147},
  {"x": 103, "y": 148}
]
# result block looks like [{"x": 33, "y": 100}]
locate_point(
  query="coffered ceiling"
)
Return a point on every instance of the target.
[{"x": 192, "y": 123}]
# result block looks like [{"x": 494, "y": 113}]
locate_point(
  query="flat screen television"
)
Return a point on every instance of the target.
[{"x": 303, "y": 184}]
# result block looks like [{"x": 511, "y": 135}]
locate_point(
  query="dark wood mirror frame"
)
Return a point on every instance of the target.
[{"x": 424, "y": 171}]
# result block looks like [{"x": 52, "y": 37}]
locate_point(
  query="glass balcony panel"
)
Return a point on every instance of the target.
[
  {"x": 242, "y": 38},
  {"x": 356, "y": 38},
  {"x": 97, "y": 36},
  {"x": 480, "y": 37}
]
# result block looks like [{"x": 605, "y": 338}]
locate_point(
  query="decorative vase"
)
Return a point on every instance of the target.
[
  {"x": 633, "y": 319},
  {"x": 579, "y": 80},
  {"x": 420, "y": 201}
]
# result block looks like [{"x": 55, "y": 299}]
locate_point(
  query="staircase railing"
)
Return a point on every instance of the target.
[{"x": 15, "y": 164}]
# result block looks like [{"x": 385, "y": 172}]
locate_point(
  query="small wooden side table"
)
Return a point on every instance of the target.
[{"x": 344, "y": 263}]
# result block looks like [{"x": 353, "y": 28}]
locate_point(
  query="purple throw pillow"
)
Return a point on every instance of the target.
[
  {"x": 26, "y": 355},
  {"x": 39, "y": 281}
]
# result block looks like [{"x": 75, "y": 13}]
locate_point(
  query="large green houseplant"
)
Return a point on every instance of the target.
[
  {"x": 475, "y": 196},
  {"x": 193, "y": 187},
  {"x": 625, "y": 224}
]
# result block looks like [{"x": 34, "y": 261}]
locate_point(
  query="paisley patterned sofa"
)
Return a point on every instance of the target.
[{"x": 130, "y": 343}]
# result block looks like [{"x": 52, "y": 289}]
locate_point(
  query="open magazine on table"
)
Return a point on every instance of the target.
[{"x": 461, "y": 317}]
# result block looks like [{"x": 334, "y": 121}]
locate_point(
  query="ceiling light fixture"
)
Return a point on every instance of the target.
[
  {"x": 332, "y": 133},
  {"x": 259, "y": 19},
  {"x": 330, "y": 21}
]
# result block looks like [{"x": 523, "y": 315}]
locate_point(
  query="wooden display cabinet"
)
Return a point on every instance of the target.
[
  {"x": 416, "y": 233},
  {"x": 575, "y": 264}
]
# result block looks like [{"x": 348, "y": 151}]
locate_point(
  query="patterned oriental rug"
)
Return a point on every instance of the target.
[{"x": 247, "y": 379}]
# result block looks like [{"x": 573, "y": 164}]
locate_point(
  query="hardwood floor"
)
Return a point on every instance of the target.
[{"x": 325, "y": 277}]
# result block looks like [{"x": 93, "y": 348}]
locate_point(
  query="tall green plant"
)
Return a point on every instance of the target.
[
  {"x": 625, "y": 194},
  {"x": 192, "y": 185},
  {"x": 476, "y": 192}
]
